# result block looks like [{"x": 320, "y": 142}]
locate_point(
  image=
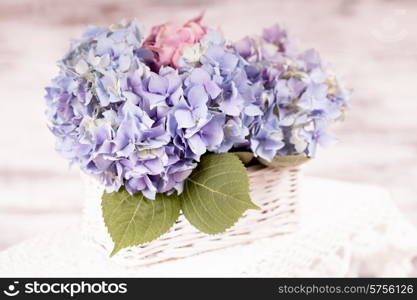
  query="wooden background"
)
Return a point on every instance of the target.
[{"x": 372, "y": 44}]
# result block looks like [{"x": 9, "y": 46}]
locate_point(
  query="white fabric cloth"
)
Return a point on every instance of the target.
[{"x": 346, "y": 230}]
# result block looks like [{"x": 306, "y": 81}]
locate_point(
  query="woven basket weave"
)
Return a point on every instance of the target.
[{"x": 275, "y": 191}]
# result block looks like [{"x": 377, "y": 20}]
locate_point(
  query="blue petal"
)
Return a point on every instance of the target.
[
  {"x": 184, "y": 118},
  {"x": 197, "y": 96}
]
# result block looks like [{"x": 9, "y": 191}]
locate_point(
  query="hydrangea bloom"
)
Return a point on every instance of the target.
[
  {"x": 296, "y": 93},
  {"x": 168, "y": 40},
  {"x": 222, "y": 70},
  {"x": 141, "y": 114},
  {"x": 125, "y": 124}
]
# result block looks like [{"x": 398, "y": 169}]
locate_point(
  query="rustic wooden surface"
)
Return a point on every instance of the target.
[{"x": 373, "y": 44}]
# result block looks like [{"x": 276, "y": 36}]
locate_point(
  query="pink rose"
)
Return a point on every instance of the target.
[{"x": 168, "y": 40}]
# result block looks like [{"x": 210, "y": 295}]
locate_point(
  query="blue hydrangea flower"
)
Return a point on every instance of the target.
[
  {"x": 295, "y": 93},
  {"x": 222, "y": 72},
  {"x": 125, "y": 124},
  {"x": 130, "y": 126}
]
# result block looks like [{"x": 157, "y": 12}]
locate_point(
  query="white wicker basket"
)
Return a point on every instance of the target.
[{"x": 275, "y": 191}]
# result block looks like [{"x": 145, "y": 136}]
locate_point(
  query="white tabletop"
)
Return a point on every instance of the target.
[{"x": 346, "y": 230}]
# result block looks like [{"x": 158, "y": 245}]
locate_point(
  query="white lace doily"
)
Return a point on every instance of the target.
[{"x": 346, "y": 230}]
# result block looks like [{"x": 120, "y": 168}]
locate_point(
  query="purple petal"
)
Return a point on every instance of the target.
[
  {"x": 199, "y": 76},
  {"x": 184, "y": 118},
  {"x": 197, "y": 96},
  {"x": 197, "y": 145},
  {"x": 212, "y": 89},
  {"x": 157, "y": 84}
]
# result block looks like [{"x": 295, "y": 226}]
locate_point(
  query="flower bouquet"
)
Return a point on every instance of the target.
[{"x": 168, "y": 126}]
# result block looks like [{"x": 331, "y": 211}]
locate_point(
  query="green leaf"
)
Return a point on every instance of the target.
[
  {"x": 244, "y": 156},
  {"x": 216, "y": 194},
  {"x": 285, "y": 161},
  {"x": 134, "y": 220}
]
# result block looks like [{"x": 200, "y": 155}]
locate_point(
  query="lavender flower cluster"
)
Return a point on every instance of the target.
[
  {"x": 145, "y": 128},
  {"x": 298, "y": 96}
]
